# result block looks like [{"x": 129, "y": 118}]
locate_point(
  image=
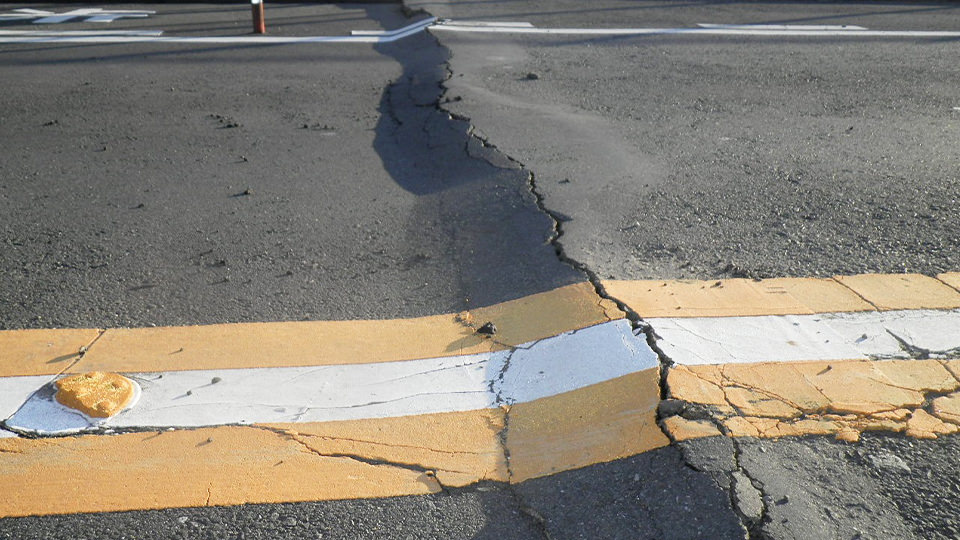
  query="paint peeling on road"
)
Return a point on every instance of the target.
[{"x": 838, "y": 398}]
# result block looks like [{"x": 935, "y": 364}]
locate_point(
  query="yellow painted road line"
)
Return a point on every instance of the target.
[
  {"x": 562, "y": 384},
  {"x": 920, "y": 398},
  {"x": 200, "y": 398},
  {"x": 336, "y": 460},
  {"x": 251, "y": 345},
  {"x": 951, "y": 278},
  {"x": 801, "y": 356},
  {"x": 785, "y": 296}
]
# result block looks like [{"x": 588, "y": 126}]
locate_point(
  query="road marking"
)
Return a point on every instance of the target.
[
  {"x": 488, "y": 24},
  {"x": 377, "y": 36},
  {"x": 87, "y": 33},
  {"x": 324, "y": 393},
  {"x": 709, "y": 31},
  {"x": 337, "y": 460},
  {"x": 406, "y": 30},
  {"x": 786, "y": 296},
  {"x": 920, "y": 398},
  {"x": 279, "y": 412},
  {"x": 97, "y": 15},
  {"x": 801, "y": 356},
  {"x": 791, "y": 338},
  {"x": 817, "y": 27},
  {"x": 342, "y": 431},
  {"x": 302, "y": 343},
  {"x": 369, "y": 37}
]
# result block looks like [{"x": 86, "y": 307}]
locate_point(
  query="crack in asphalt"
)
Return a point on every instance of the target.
[
  {"x": 753, "y": 525},
  {"x": 555, "y": 240},
  {"x": 428, "y": 475}
]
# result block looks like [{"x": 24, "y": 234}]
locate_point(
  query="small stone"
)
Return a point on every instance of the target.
[
  {"x": 888, "y": 461},
  {"x": 532, "y": 76},
  {"x": 215, "y": 380},
  {"x": 488, "y": 329}
]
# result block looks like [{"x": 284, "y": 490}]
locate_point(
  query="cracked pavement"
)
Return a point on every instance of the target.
[{"x": 400, "y": 180}]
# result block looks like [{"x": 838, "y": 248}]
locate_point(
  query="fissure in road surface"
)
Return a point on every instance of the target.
[{"x": 414, "y": 108}]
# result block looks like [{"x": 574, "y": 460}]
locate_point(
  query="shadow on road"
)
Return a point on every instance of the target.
[{"x": 473, "y": 200}]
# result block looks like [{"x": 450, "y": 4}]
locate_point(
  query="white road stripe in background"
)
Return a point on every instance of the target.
[
  {"x": 488, "y": 24},
  {"x": 80, "y": 33},
  {"x": 373, "y": 37},
  {"x": 377, "y": 36},
  {"x": 820, "y": 27},
  {"x": 412, "y": 28},
  {"x": 719, "y": 30}
]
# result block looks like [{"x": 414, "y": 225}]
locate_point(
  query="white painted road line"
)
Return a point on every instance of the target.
[
  {"x": 548, "y": 367},
  {"x": 487, "y": 24},
  {"x": 14, "y": 391},
  {"x": 699, "y": 31},
  {"x": 825, "y": 337},
  {"x": 406, "y": 30},
  {"x": 376, "y": 36},
  {"x": 44, "y": 33},
  {"x": 208, "y": 40},
  {"x": 819, "y": 27},
  {"x": 102, "y": 38},
  {"x": 96, "y": 15}
]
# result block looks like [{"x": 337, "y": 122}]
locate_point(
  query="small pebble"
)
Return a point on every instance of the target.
[{"x": 488, "y": 329}]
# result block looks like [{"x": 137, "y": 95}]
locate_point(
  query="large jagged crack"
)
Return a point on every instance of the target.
[
  {"x": 744, "y": 493},
  {"x": 478, "y": 146},
  {"x": 556, "y": 233}
]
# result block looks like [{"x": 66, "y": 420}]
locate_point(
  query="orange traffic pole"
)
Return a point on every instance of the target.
[{"x": 259, "y": 26}]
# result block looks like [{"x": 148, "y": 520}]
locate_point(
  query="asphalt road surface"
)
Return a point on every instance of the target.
[{"x": 168, "y": 184}]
